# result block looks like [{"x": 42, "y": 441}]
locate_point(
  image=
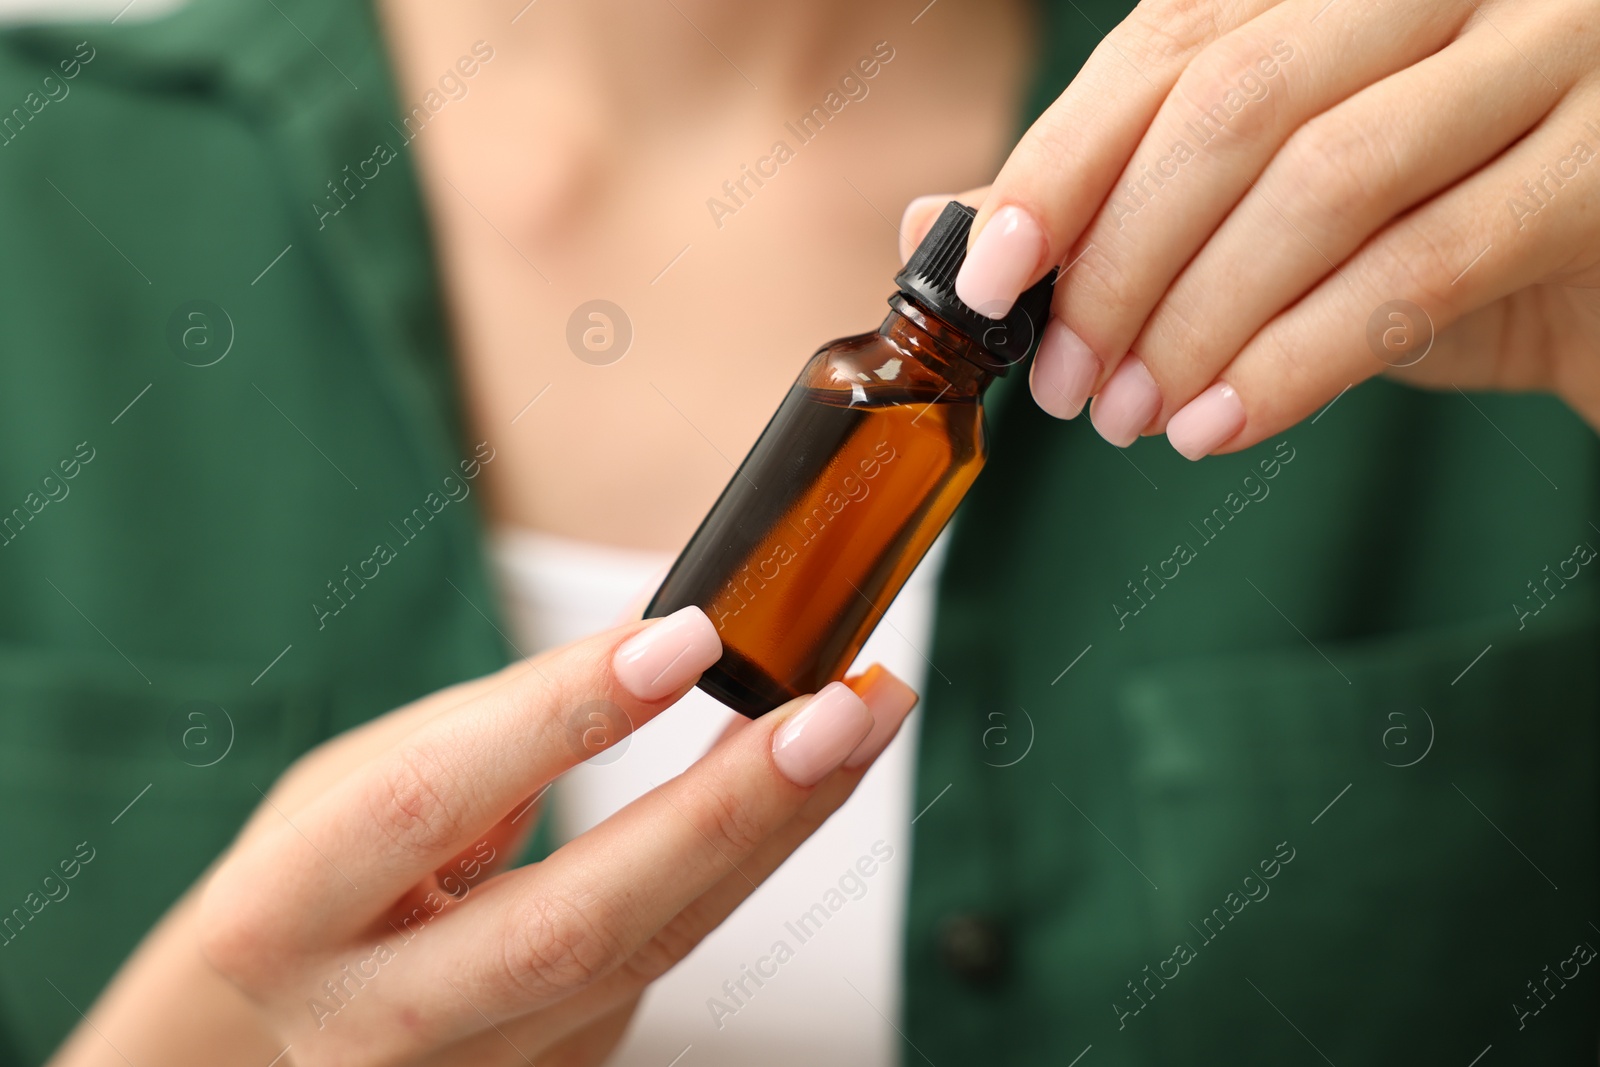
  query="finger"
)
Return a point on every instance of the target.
[
  {"x": 495, "y": 851},
  {"x": 1231, "y": 109},
  {"x": 595, "y": 1042},
  {"x": 318, "y": 770},
  {"x": 1478, "y": 242},
  {"x": 344, "y": 860},
  {"x": 1060, "y": 172},
  {"x": 1338, "y": 180},
  {"x": 532, "y": 1040},
  {"x": 562, "y": 926},
  {"x": 891, "y": 700},
  {"x": 921, "y": 213}
]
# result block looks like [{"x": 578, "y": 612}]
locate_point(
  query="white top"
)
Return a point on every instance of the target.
[{"x": 830, "y": 994}]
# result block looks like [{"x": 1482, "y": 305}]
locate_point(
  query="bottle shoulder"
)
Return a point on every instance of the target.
[{"x": 880, "y": 368}]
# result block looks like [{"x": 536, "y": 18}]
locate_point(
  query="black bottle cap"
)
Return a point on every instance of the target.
[{"x": 929, "y": 277}]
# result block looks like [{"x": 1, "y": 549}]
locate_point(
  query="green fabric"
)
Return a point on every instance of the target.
[
  {"x": 1192, "y": 742},
  {"x": 1308, "y": 650},
  {"x": 187, "y": 553},
  {"x": 1186, "y": 745}
]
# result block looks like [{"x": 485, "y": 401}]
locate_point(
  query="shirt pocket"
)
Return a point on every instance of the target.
[
  {"x": 1437, "y": 800},
  {"x": 118, "y": 785}
]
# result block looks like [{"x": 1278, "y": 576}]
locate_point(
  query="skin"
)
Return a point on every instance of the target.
[
  {"x": 593, "y": 140},
  {"x": 575, "y": 165},
  {"x": 422, "y": 809},
  {"x": 1390, "y": 148},
  {"x": 1381, "y": 164}
]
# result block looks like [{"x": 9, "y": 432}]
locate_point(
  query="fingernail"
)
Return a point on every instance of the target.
[
  {"x": 667, "y": 656},
  {"x": 1126, "y": 404},
  {"x": 890, "y": 700},
  {"x": 910, "y": 216},
  {"x": 1064, "y": 370},
  {"x": 819, "y": 736},
  {"x": 1001, "y": 262},
  {"x": 1206, "y": 421}
]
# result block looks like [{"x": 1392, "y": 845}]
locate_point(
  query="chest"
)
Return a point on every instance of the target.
[{"x": 635, "y": 277}]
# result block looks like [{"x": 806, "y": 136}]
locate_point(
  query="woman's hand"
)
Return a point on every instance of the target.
[
  {"x": 1257, "y": 203},
  {"x": 364, "y": 913}
]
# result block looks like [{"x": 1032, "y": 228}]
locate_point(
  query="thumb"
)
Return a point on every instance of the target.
[{"x": 921, "y": 213}]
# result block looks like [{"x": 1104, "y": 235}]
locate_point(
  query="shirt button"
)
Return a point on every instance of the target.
[{"x": 973, "y": 946}]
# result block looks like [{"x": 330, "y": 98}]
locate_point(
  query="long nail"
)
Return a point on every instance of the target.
[
  {"x": 890, "y": 700},
  {"x": 818, "y": 737},
  {"x": 1126, "y": 404},
  {"x": 910, "y": 217},
  {"x": 1064, "y": 370},
  {"x": 1001, "y": 262},
  {"x": 1206, "y": 422},
  {"x": 668, "y": 655}
]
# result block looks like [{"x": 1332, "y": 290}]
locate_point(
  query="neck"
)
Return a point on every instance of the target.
[{"x": 643, "y": 56}]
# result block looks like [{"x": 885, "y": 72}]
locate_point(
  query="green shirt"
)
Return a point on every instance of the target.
[{"x": 1278, "y": 757}]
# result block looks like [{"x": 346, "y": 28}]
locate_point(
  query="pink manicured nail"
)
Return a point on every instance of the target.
[
  {"x": 1001, "y": 262},
  {"x": 812, "y": 744},
  {"x": 668, "y": 655},
  {"x": 1206, "y": 421},
  {"x": 916, "y": 207},
  {"x": 1064, "y": 370},
  {"x": 890, "y": 700},
  {"x": 1126, "y": 404}
]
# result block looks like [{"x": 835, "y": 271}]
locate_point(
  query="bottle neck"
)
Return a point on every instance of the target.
[{"x": 951, "y": 353}]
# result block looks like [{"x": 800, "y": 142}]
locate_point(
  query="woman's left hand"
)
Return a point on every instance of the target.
[{"x": 1257, "y": 203}]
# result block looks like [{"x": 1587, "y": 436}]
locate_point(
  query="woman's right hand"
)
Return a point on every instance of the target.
[{"x": 363, "y": 914}]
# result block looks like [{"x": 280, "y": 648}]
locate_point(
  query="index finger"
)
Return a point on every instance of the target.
[
  {"x": 342, "y": 861},
  {"x": 538, "y": 935},
  {"x": 1061, "y": 171}
]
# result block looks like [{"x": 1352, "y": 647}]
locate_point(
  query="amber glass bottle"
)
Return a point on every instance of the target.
[{"x": 849, "y": 484}]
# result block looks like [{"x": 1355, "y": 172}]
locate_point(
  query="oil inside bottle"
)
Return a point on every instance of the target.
[
  {"x": 847, "y": 487},
  {"x": 822, "y": 525}
]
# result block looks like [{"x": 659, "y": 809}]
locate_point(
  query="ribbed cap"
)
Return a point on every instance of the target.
[{"x": 929, "y": 277}]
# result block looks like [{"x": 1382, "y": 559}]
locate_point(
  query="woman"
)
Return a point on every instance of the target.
[{"x": 1307, "y": 688}]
